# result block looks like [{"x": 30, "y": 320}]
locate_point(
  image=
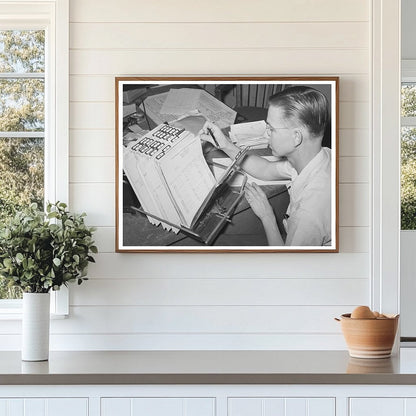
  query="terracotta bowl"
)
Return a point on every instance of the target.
[{"x": 369, "y": 338}]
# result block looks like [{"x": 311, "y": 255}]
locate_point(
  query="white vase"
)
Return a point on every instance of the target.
[{"x": 35, "y": 326}]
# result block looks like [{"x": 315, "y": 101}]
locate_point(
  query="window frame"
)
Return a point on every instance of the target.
[
  {"x": 53, "y": 17},
  {"x": 408, "y": 75},
  {"x": 385, "y": 151}
]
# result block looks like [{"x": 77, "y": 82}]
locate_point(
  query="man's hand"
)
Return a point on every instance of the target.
[
  {"x": 222, "y": 141},
  {"x": 258, "y": 201}
]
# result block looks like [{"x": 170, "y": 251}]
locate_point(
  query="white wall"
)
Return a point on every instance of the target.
[{"x": 215, "y": 301}]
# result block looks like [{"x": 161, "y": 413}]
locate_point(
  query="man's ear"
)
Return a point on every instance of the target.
[{"x": 298, "y": 137}]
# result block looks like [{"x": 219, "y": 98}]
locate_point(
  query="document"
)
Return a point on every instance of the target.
[
  {"x": 215, "y": 110},
  {"x": 150, "y": 190},
  {"x": 251, "y": 134},
  {"x": 180, "y": 101},
  {"x": 152, "y": 105},
  {"x": 188, "y": 178},
  {"x": 169, "y": 174}
]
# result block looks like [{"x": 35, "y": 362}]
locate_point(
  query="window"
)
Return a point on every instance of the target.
[
  {"x": 33, "y": 110},
  {"x": 408, "y": 154},
  {"x": 22, "y": 124}
]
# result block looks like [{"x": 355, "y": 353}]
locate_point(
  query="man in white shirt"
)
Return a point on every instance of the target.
[{"x": 296, "y": 122}]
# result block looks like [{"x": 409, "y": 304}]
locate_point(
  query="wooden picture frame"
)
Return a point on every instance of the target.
[{"x": 181, "y": 186}]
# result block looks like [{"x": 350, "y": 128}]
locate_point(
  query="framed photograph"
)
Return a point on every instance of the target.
[{"x": 235, "y": 164}]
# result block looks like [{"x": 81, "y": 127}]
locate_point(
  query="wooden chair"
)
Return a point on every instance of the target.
[{"x": 250, "y": 101}]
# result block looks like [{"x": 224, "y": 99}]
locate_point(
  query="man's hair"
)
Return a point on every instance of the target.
[{"x": 305, "y": 104}]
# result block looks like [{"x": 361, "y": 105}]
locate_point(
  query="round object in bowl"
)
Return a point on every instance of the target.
[
  {"x": 362, "y": 312},
  {"x": 369, "y": 338}
]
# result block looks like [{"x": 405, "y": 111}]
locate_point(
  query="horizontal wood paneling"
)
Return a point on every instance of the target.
[
  {"x": 92, "y": 169},
  {"x": 354, "y": 239},
  {"x": 354, "y": 208},
  {"x": 211, "y": 301},
  {"x": 218, "y": 35},
  {"x": 354, "y": 170},
  {"x": 161, "y": 265},
  {"x": 201, "y": 319},
  {"x": 146, "y": 342},
  {"x": 354, "y": 115},
  {"x": 93, "y": 88},
  {"x": 354, "y": 142},
  {"x": 94, "y": 143},
  {"x": 296, "y": 61},
  {"x": 220, "y": 291},
  {"x": 195, "y": 320},
  {"x": 96, "y": 199},
  {"x": 92, "y": 115},
  {"x": 218, "y": 11},
  {"x": 97, "y": 88},
  {"x": 104, "y": 238}
]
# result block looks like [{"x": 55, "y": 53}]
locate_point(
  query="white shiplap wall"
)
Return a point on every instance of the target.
[{"x": 215, "y": 301}]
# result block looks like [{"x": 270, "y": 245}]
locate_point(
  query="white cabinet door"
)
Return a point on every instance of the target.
[
  {"x": 270, "y": 406},
  {"x": 44, "y": 407},
  {"x": 382, "y": 406},
  {"x": 160, "y": 406},
  {"x": 377, "y": 407}
]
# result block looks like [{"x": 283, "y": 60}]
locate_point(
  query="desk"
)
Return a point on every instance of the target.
[{"x": 244, "y": 230}]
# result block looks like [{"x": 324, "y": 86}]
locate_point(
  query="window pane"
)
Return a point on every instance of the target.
[
  {"x": 22, "y": 104},
  {"x": 408, "y": 178},
  {"x": 21, "y": 182},
  {"x": 408, "y": 95},
  {"x": 21, "y": 109},
  {"x": 22, "y": 51},
  {"x": 21, "y": 173}
]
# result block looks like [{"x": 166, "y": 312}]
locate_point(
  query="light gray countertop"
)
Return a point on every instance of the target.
[{"x": 207, "y": 367}]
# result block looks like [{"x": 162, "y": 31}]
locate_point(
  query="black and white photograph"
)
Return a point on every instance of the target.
[{"x": 231, "y": 164}]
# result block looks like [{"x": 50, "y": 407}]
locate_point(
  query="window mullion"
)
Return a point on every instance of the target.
[
  {"x": 22, "y": 75},
  {"x": 408, "y": 121},
  {"x": 22, "y": 134}
]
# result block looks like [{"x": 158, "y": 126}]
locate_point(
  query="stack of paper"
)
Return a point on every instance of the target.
[
  {"x": 182, "y": 101},
  {"x": 171, "y": 181},
  {"x": 251, "y": 134}
]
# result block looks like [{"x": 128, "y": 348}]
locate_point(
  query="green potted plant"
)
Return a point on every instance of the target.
[{"x": 40, "y": 252}]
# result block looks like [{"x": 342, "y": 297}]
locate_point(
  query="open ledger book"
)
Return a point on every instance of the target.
[{"x": 170, "y": 176}]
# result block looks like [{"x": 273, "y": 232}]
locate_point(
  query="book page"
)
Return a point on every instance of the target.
[
  {"x": 215, "y": 110},
  {"x": 150, "y": 190},
  {"x": 188, "y": 178}
]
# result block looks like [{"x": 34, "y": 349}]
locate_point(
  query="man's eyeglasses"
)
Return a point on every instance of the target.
[{"x": 270, "y": 129}]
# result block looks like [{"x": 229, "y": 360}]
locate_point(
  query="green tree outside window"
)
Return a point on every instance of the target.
[{"x": 22, "y": 124}]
